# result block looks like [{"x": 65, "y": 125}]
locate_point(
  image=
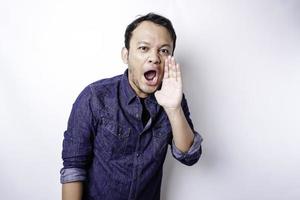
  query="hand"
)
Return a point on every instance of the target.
[{"x": 170, "y": 94}]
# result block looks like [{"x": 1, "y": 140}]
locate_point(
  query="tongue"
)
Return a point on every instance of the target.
[{"x": 150, "y": 75}]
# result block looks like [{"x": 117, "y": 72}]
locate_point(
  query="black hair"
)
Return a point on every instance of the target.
[{"x": 152, "y": 17}]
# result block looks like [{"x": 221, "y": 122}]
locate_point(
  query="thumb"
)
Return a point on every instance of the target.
[{"x": 157, "y": 94}]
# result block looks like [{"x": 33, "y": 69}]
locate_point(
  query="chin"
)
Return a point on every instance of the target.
[{"x": 150, "y": 89}]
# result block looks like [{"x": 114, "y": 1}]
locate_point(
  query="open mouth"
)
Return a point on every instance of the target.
[{"x": 151, "y": 76}]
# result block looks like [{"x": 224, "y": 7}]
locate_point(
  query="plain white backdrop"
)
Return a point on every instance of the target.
[{"x": 241, "y": 73}]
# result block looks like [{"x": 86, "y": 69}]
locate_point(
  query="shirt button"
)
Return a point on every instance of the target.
[
  {"x": 137, "y": 155},
  {"x": 137, "y": 115}
]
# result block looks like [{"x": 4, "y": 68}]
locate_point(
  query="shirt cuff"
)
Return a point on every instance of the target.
[
  {"x": 72, "y": 174},
  {"x": 193, "y": 149}
]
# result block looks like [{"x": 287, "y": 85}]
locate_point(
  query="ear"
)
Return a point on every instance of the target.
[{"x": 125, "y": 55}]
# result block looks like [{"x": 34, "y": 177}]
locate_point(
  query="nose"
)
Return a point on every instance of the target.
[{"x": 154, "y": 58}]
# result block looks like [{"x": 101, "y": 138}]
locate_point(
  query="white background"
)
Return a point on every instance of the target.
[{"x": 241, "y": 69}]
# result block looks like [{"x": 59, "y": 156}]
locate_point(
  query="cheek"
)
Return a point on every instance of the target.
[
  {"x": 135, "y": 70},
  {"x": 136, "y": 63},
  {"x": 162, "y": 65},
  {"x": 137, "y": 56}
]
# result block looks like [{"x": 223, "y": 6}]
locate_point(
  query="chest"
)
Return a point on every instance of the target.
[{"x": 122, "y": 137}]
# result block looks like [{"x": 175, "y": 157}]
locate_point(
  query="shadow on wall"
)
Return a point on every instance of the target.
[
  {"x": 194, "y": 68},
  {"x": 194, "y": 73}
]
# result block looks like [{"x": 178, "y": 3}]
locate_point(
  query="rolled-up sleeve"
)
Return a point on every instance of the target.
[
  {"x": 72, "y": 174},
  {"x": 193, "y": 154},
  {"x": 77, "y": 143}
]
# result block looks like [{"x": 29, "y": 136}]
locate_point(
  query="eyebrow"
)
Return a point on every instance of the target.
[
  {"x": 144, "y": 42},
  {"x": 166, "y": 45},
  {"x": 147, "y": 43}
]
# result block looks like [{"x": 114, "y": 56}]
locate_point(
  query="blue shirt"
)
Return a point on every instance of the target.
[{"x": 108, "y": 148}]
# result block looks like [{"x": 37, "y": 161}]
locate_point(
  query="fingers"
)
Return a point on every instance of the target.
[
  {"x": 172, "y": 69},
  {"x": 166, "y": 70},
  {"x": 178, "y": 72}
]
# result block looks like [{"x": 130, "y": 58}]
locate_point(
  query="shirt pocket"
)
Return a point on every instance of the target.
[
  {"x": 112, "y": 138},
  {"x": 161, "y": 137}
]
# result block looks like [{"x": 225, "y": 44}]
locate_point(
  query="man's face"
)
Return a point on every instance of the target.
[{"x": 150, "y": 45}]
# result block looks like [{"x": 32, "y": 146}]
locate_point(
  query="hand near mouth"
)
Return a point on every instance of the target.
[{"x": 170, "y": 94}]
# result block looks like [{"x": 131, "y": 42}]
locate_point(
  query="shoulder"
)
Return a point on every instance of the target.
[
  {"x": 103, "y": 87},
  {"x": 98, "y": 93},
  {"x": 100, "y": 88}
]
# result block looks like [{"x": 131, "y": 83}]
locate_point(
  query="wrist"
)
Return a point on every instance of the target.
[{"x": 172, "y": 112}]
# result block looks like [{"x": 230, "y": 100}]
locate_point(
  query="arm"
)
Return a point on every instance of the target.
[
  {"x": 72, "y": 191},
  {"x": 77, "y": 147},
  {"x": 186, "y": 144},
  {"x": 183, "y": 135},
  {"x": 192, "y": 155},
  {"x": 170, "y": 97}
]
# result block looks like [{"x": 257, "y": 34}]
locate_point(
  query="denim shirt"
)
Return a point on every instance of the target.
[{"x": 107, "y": 147}]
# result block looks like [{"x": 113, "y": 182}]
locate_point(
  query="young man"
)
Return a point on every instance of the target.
[{"x": 119, "y": 128}]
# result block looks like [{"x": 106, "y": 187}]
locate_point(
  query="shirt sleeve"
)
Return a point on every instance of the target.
[
  {"x": 77, "y": 143},
  {"x": 193, "y": 154},
  {"x": 72, "y": 174}
]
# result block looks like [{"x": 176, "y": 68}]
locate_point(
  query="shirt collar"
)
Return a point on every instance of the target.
[{"x": 127, "y": 89}]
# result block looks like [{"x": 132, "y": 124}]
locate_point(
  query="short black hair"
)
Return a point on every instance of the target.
[{"x": 152, "y": 17}]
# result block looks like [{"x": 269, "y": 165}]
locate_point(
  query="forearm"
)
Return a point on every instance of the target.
[
  {"x": 72, "y": 191},
  {"x": 183, "y": 135}
]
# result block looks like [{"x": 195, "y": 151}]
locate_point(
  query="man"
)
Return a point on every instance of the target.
[{"x": 119, "y": 128}]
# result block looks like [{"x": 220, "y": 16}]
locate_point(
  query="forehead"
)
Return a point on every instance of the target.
[{"x": 152, "y": 33}]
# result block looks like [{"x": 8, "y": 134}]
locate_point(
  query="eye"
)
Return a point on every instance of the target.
[
  {"x": 143, "y": 48},
  {"x": 165, "y": 51}
]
